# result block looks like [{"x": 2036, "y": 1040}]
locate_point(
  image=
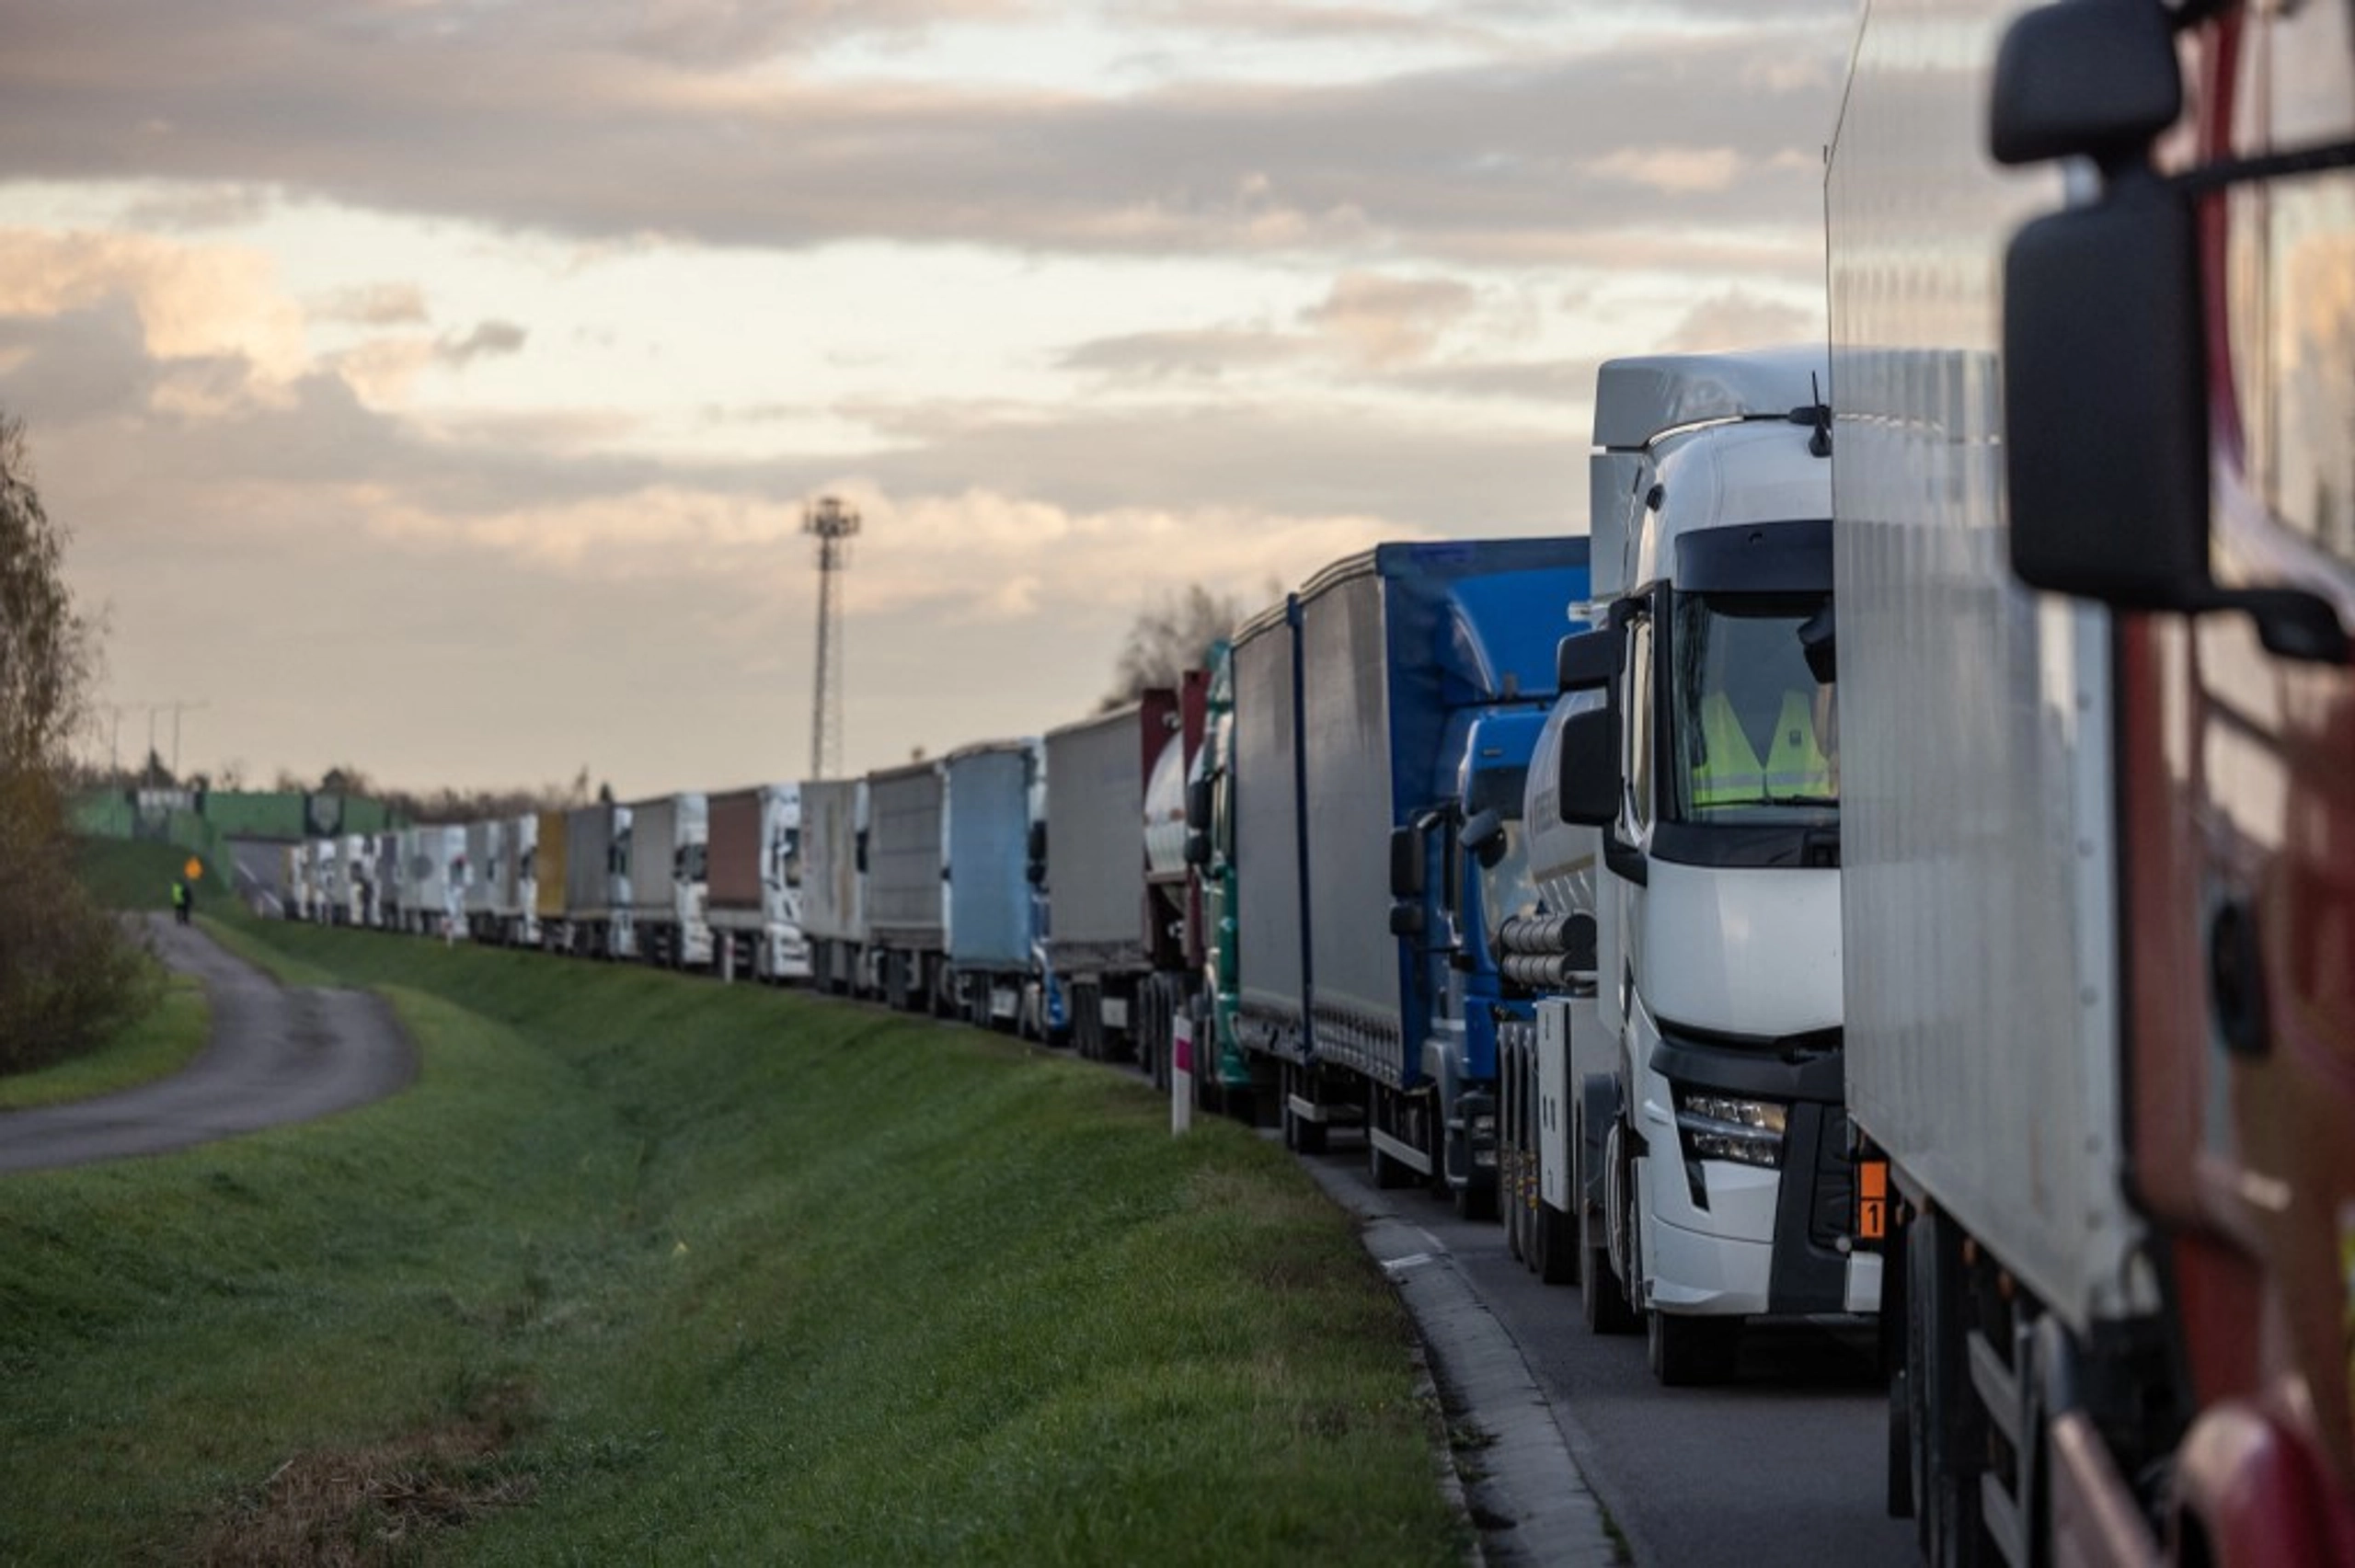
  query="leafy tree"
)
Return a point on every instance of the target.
[
  {"x": 67, "y": 977},
  {"x": 1170, "y": 636}
]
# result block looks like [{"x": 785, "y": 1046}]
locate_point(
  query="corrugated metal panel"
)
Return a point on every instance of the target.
[
  {"x": 833, "y": 906},
  {"x": 1273, "y": 981},
  {"x": 1095, "y": 840},
  {"x": 988, "y": 817},
  {"x": 1975, "y": 745},
  {"x": 903, "y": 892}
]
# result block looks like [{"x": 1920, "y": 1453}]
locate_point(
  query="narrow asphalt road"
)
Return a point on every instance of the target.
[
  {"x": 276, "y": 1055},
  {"x": 1783, "y": 1466}
]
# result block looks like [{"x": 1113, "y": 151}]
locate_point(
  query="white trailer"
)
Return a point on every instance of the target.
[{"x": 670, "y": 853}]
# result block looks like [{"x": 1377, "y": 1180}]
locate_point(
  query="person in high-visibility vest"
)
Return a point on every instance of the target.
[
  {"x": 181, "y": 895},
  {"x": 1731, "y": 772}
]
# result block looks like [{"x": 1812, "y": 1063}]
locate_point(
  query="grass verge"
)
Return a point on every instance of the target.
[
  {"x": 152, "y": 1047},
  {"x": 646, "y": 1269}
]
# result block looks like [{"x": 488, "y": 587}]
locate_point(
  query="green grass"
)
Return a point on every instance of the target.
[
  {"x": 649, "y": 1270},
  {"x": 153, "y": 1047},
  {"x": 125, "y": 873}
]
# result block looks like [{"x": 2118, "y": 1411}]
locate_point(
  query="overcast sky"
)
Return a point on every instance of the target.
[{"x": 434, "y": 386}]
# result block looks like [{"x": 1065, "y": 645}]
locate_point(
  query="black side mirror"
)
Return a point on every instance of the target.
[
  {"x": 2090, "y": 78},
  {"x": 2105, "y": 416},
  {"x": 859, "y": 859},
  {"x": 1820, "y": 645},
  {"x": 1484, "y": 835},
  {"x": 1588, "y": 784},
  {"x": 1036, "y": 873},
  {"x": 1406, "y": 862},
  {"x": 1407, "y": 920},
  {"x": 1197, "y": 847},
  {"x": 1037, "y": 845},
  {"x": 1198, "y": 805},
  {"x": 1589, "y": 662}
]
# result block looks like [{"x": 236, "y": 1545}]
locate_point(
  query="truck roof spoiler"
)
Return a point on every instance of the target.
[{"x": 1638, "y": 397}]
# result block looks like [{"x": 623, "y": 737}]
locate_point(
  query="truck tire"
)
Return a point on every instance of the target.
[
  {"x": 1691, "y": 1352},
  {"x": 1604, "y": 1301},
  {"x": 1553, "y": 1253}
]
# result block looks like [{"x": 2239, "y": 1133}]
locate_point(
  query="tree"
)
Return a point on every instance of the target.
[
  {"x": 1170, "y": 636},
  {"x": 66, "y": 975}
]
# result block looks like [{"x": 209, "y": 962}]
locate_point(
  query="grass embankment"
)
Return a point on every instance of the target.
[{"x": 646, "y": 1269}]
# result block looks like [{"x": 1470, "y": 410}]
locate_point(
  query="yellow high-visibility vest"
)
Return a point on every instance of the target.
[{"x": 1733, "y": 771}]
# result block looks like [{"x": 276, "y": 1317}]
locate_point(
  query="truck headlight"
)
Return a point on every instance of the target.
[{"x": 1726, "y": 1126}]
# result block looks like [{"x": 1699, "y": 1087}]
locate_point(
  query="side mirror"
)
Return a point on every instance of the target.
[
  {"x": 1589, "y": 662},
  {"x": 1038, "y": 845},
  {"x": 859, "y": 857},
  {"x": 2086, "y": 78},
  {"x": 1407, "y": 920},
  {"x": 1036, "y": 871},
  {"x": 1197, "y": 847},
  {"x": 1588, "y": 784},
  {"x": 1407, "y": 857},
  {"x": 1484, "y": 835},
  {"x": 1820, "y": 645},
  {"x": 2106, "y": 418},
  {"x": 1198, "y": 805}
]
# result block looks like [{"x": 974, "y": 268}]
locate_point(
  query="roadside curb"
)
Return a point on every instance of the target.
[{"x": 1522, "y": 1489}]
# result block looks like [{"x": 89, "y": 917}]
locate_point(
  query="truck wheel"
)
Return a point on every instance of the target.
[
  {"x": 1604, "y": 1299},
  {"x": 1689, "y": 1352},
  {"x": 1554, "y": 1252},
  {"x": 1475, "y": 1199}
]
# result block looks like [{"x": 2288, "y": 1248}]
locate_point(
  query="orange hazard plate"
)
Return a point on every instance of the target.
[{"x": 1872, "y": 1200}]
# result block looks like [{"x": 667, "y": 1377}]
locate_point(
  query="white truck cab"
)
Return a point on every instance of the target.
[{"x": 1712, "y": 1147}]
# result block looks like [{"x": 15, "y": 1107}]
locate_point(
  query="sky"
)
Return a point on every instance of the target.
[{"x": 435, "y": 387}]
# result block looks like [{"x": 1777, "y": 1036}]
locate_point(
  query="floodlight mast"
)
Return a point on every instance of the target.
[{"x": 833, "y": 524}]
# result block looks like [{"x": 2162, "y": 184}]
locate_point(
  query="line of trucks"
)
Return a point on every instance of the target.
[{"x": 1898, "y": 863}]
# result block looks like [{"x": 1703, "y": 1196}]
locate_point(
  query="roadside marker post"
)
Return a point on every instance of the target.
[{"x": 1182, "y": 1074}]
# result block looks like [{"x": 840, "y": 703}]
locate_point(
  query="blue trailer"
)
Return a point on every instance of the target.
[
  {"x": 1418, "y": 680},
  {"x": 995, "y": 793}
]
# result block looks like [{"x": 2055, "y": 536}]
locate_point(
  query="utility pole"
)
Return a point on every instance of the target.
[
  {"x": 833, "y": 524},
  {"x": 178, "y": 708}
]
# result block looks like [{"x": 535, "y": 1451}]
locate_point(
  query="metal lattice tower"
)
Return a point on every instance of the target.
[{"x": 833, "y": 524}]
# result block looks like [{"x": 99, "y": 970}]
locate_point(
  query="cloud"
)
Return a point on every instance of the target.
[
  {"x": 191, "y": 300},
  {"x": 1737, "y": 318},
  {"x": 373, "y": 304},
  {"x": 1204, "y": 355},
  {"x": 1387, "y": 321},
  {"x": 489, "y": 337},
  {"x": 666, "y": 129}
]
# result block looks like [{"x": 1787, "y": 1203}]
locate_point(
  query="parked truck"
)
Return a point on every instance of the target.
[
  {"x": 433, "y": 897},
  {"x": 906, "y": 911},
  {"x": 753, "y": 866},
  {"x": 995, "y": 793},
  {"x": 2096, "y": 542},
  {"x": 1174, "y": 935},
  {"x": 1420, "y": 677},
  {"x": 833, "y": 883},
  {"x": 1712, "y": 1151},
  {"x": 1222, "y": 1067},
  {"x": 551, "y": 876},
  {"x": 514, "y": 894},
  {"x": 597, "y": 881},
  {"x": 669, "y": 885},
  {"x": 485, "y": 841},
  {"x": 1098, "y": 948}
]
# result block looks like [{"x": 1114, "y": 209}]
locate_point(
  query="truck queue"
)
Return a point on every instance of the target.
[{"x": 1891, "y": 859}]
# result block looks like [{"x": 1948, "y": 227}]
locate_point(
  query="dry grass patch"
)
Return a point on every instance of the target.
[{"x": 359, "y": 1507}]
